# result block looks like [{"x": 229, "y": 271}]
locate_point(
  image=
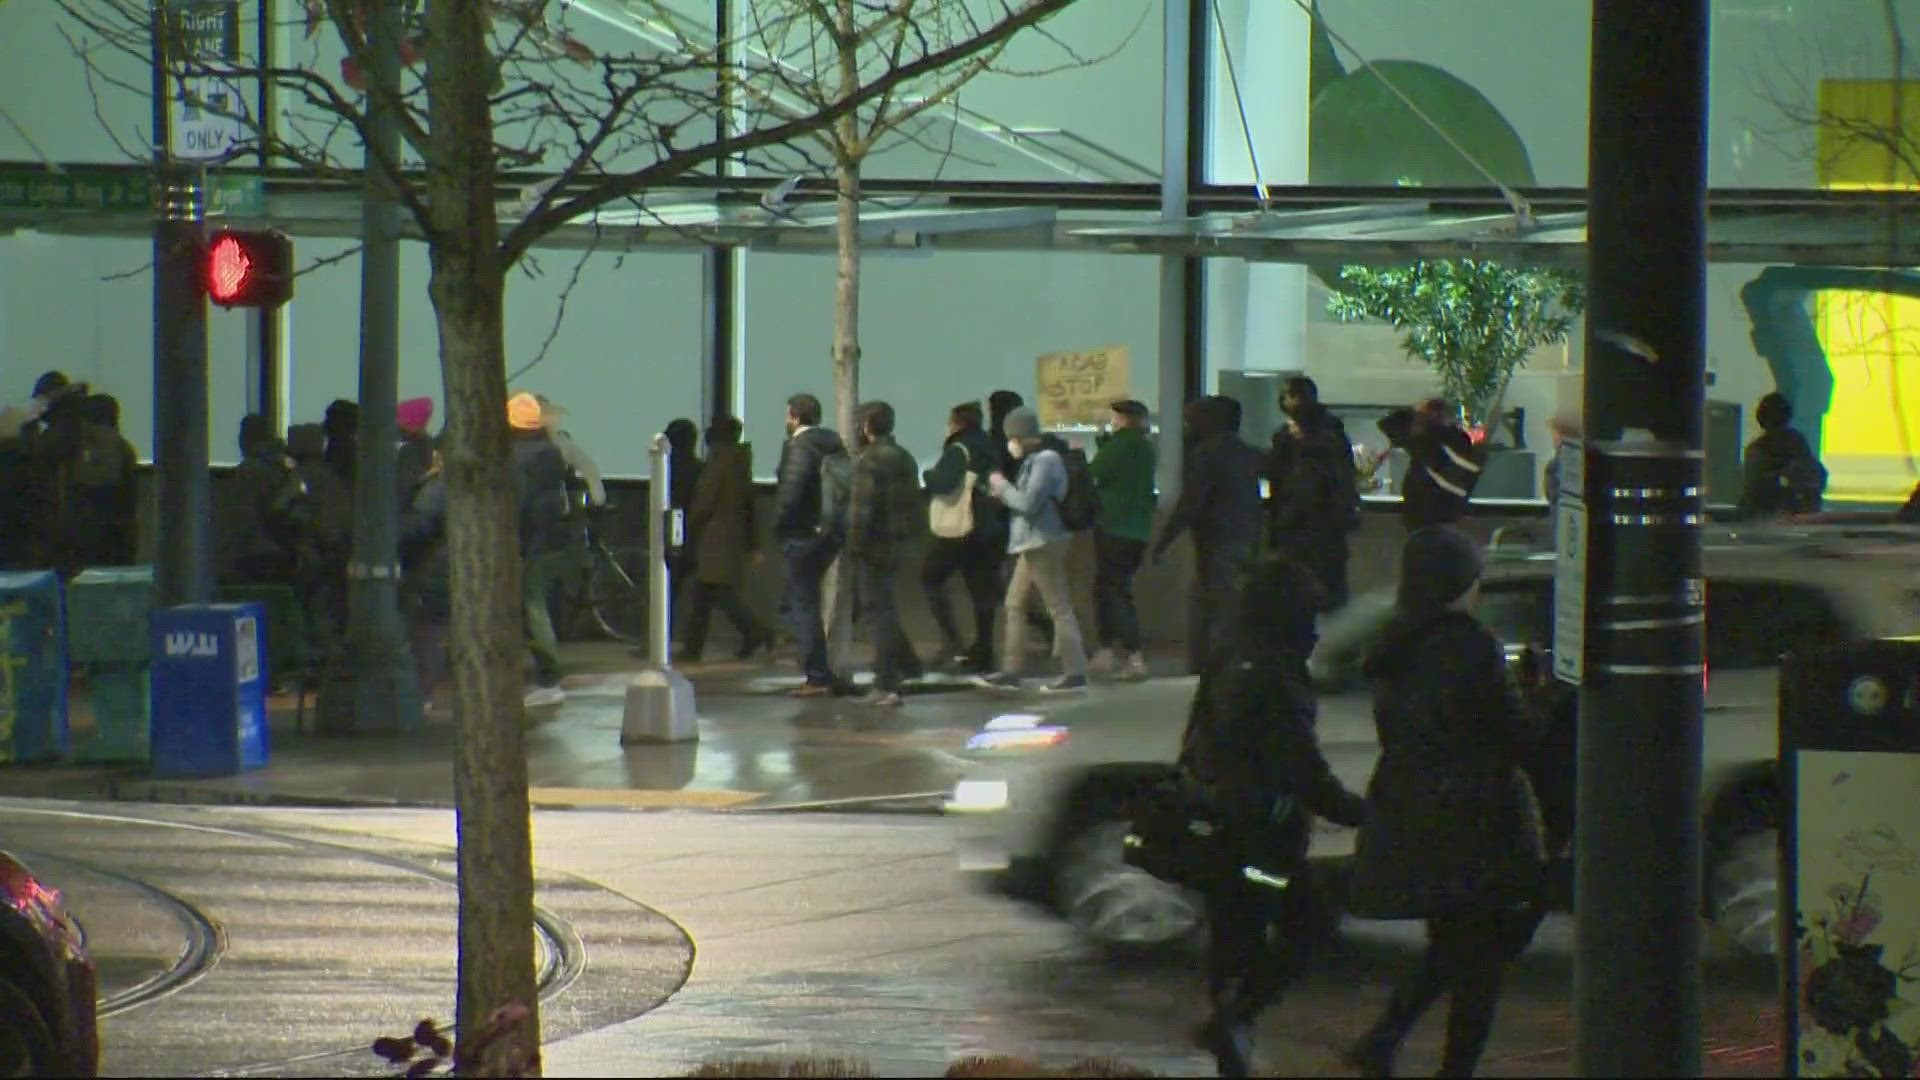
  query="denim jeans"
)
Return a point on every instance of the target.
[
  {"x": 807, "y": 559},
  {"x": 881, "y": 611}
]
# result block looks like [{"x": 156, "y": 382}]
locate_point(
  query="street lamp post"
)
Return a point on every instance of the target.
[{"x": 1633, "y": 521}]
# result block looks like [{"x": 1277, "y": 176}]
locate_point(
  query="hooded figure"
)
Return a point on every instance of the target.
[
  {"x": 263, "y": 523},
  {"x": 1250, "y": 745},
  {"x": 1220, "y": 505},
  {"x": 1781, "y": 472},
  {"x": 1453, "y": 834},
  {"x": 342, "y": 426}
]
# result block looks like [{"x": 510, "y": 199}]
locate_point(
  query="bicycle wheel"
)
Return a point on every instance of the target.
[{"x": 618, "y": 603}]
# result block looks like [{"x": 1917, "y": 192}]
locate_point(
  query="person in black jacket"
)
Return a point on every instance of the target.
[
  {"x": 978, "y": 556},
  {"x": 425, "y": 592},
  {"x": 1250, "y": 745},
  {"x": 262, "y": 528},
  {"x": 342, "y": 425},
  {"x": 807, "y": 543},
  {"x": 540, "y": 482},
  {"x": 1453, "y": 832},
  {"x": 1314, "y": 498},
  {"x": 1442, "y": 464},
  {"x": 683, "y": 475},
  {"x": 884, "y": 514},
  {"x": 1220, "y": 505}
]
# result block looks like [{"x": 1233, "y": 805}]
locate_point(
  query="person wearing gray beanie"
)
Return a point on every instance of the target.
[
  {"x": 1438, "y": 566},
  {"x": 1038, "y": 540}
]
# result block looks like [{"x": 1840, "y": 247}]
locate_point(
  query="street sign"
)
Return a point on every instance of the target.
[
  {"x": 74, "y": 188},
  {"x": 1570, "y": 591},
  {"x": 209, "y": 114}
]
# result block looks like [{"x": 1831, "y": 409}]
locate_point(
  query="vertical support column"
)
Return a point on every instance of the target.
[
  {"x": 1178, "y": 276},
  {"x": 183, "y": 566},
  {"x": 717, "y": 332},
  {"x": 1638, "y": 514},
  {"x": 384, "y": 693}
]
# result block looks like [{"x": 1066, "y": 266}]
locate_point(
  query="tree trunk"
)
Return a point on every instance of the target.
[
  {"x": 846, "y": 296},
  {"x": 490, "y": 766}
]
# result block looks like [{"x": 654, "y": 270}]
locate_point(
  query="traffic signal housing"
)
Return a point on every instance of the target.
[{"x": 249, "y": 268}]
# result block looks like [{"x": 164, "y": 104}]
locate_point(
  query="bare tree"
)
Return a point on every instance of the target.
[
  {"x": 1835, "y": 135},
  {"x": 500, "y": 84}
]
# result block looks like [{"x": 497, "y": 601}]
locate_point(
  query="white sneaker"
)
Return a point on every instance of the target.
[
  {"x": 1136, "y": 670},
  {"x": 541, "y": 697},
  {"x": 1103, "y": 663}
]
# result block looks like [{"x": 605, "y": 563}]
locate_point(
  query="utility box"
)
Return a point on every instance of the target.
[
  {"x": 1850, "y": 858},
  {"x": 108, "y": 609},
  {"x": 33, "y": 668},
  {"x": 209, "y": 690}
]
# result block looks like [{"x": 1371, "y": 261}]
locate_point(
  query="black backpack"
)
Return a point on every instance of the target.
[
  {"x": 1804, "y": 484},
  {"x": 1080, "y": 506},
  {"x": 836, "y": 493}
]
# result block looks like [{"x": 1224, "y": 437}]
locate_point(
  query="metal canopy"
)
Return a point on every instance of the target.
[
  {"x": 1402, "y": 232},
  {"x": 1807, "y": 234}
]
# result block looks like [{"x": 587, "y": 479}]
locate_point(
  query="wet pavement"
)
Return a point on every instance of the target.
[
  {"x": 852, "y": 935},
  {"x": 758, "y": 748},
  {"x": 229, "y": 946}
]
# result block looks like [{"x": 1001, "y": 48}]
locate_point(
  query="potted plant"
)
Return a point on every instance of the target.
[{"x": 1474, "y": 321}]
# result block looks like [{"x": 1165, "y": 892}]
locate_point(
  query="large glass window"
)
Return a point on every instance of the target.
[
  {"x": 937, "y": 330},
  {"x": 1077, "y": 100}
]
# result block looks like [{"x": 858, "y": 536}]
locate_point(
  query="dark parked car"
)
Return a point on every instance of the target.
[
  {"x": 47, "y": 987},
  {"x": 1049, "y": 800}
]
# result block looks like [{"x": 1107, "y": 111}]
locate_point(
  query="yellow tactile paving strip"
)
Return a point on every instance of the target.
[{"x": 550, "y": 797}]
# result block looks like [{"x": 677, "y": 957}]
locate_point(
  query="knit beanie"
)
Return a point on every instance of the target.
[
  {"x": 523, "y": 413},
  {"x": 1022, "y": 423},
  {"x": 1438, "y": 565}
]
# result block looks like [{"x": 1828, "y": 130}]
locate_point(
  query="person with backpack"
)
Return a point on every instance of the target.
[
  {"x": 260, "y": 531},
  {"x": 546, "y": 543},
  {"x": 1251, "y": 751},
  {"x": 1123, "y": 473},
  {"x": 884, "y": 515},
  {"x": 1220, "y": 506},
  {"x": 323, "y": 538},
  {"x": 1038, "y": 540},
  {"x": 969, "y": 538},
  {"x": 803, "y": 525},
  {"x": 1783, "y": 477},
  {"x": 1313, "y": 489}
]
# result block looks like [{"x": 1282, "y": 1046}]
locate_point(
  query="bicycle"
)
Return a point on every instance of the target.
[{"x": 603, "y": 592}]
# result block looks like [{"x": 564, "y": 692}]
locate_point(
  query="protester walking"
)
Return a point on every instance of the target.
[
  {"x": 540, "y": 484},
  {"x": 260, "y": 532},
  {"x": 683, "y": 472},
  {"x": 807, "y": 545},
  {"x": 1314, "y": 501},
  {"x": 720, "y": 529},
  {"x": 1220, "y": 507},
  {"x": 1453, "y": 832},
  {"x": 1442, "y": 463},
  {"x": 413, "y": 458},
  {"x": 427, "y": 598},
  {"x": 342, "y": 425},
  {"x": 969, "y": 539},
  {"x": 1251, "y": 748},
  {"x": 1038, "y": 540},
  {"x": 1123, "y": 478},
  {"x": 101, "y": 515},
  {"x": 323, "y": 543},
  {"x": 884, "y": 515}
]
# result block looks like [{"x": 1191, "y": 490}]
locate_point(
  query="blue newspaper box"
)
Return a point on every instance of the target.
[
  {"x": 209, "y": 690},
  {"x": 33, "y": 668}
]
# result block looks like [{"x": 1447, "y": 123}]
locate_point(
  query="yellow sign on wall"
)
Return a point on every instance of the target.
[{"x": 1080, "y": 387}]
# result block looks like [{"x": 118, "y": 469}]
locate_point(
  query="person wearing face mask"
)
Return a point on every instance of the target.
[
  {"x": 1313, "y": 503},
  {"x": 1453, "y": 832},
  {"x": 976, "y": 556},
  {"x": 1038, "y": 542}
]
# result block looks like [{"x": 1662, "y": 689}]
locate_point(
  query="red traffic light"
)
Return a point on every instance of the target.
[{"x": 249, "y": 268}]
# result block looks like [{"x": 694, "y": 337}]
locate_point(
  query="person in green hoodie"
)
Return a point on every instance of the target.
[{"x": 1123, "y": 472}]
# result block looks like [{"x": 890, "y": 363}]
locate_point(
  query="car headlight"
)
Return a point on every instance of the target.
[{"x": 978, "y": 797}]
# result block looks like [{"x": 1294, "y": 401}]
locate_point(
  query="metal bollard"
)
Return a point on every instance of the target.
[{"x": 659, "y": 706}]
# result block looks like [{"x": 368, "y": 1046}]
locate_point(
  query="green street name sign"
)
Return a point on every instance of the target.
[{"x": 74, "y": 189}]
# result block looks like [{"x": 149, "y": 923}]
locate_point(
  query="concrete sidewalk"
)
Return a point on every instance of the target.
[
  {"x": 852, "y": 936},
  {"x": 757, "y": 749}
]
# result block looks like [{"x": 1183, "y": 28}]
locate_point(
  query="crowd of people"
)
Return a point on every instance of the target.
[{"x": 67, "y": 494}]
